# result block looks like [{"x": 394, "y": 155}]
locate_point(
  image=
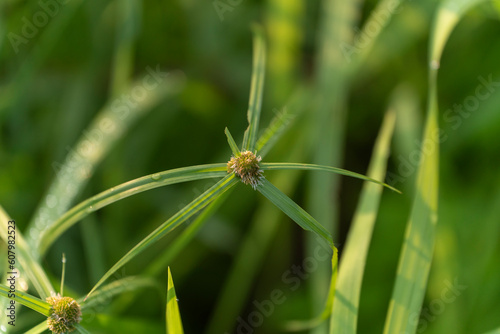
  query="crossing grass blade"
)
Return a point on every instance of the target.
[
  {"x": 32, "y": 268},
  {"x": 82, "y": 161},
  {"x": 174, "y": 322},
  {"x": 125, "y": 190},
  {"x": 180, "y": 217},
  {"x": 256, "y": 89},
  {"x": 291, "y": 165},
  {"x": 346, "y": 305},
  {"x": 416, "y": 255},
  {"x": 27, "y": 300},
  {"x": 186, "y": 236}
]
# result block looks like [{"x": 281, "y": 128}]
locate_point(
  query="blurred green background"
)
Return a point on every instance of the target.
[{"x": 56, "y": 76}]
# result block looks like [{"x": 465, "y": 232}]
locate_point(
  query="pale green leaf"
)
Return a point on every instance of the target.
[
  {"x": 418, "y": 247},
  {"x": 256, "y": 89},
  {"x": 181, "y": 216},
  {"x": 174, "y": 322},
  {"x": 32, "y": 268},
  {"x": 125, "y": 190},
  {"x": 26, "y": 299},
  {"x": 346, "y": 305}
]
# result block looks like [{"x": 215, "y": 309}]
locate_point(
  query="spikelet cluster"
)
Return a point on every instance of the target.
[
  {"x": 246, "y": 167},
  {"x": 65, "y": 314}
]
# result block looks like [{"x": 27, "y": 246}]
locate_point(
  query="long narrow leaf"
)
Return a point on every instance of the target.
[
  {"x": 108, "y": 127},
  {"x": 291, "y": 165},
  {"x": 125, "y": 190},
  {"x": 256, "y": 89},
  {"x": 346, "y": 305},
  {"x": 418, "y": 247},
  {"x": 26, "y": 299},
  {"x": 196, "y": 205},
  {"x": 174, "y": 322},
  {"x": 186, "y": 236},
  {"x": 32, "y": 268},
  {"x": 307, "y": 222},
  {"x": 292, "y": 210}
]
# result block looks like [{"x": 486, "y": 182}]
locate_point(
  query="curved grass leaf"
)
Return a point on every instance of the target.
[
  {"x": 290, "y": 165},
  {"x": 181, "y": 216},
  {"x": 32, "y": 268},
  {"x": 125, "y": 190},
  {"x": 346, "y": 305},
  {"x": 27, "y": 300},
  {"x": 174, "y": 322},
  {"x": 107, "y": 128},
  {"x": 256, "y": 89},
  {"x": 416, "y": 255}
]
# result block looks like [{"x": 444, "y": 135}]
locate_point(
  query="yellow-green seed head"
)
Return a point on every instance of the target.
[
  {"x": 65, "y": 314},
  {"x": 246, "y": 167}
]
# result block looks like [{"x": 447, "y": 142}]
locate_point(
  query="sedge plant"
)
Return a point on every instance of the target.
[{"x": 245, "y": 166}]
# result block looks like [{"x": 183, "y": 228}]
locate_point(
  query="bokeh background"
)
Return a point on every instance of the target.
[{"x": 57, "y": 76}]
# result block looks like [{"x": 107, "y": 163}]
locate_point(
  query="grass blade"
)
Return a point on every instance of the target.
[
  {"x": 292, "y": 210},
  {"x": 27, "y": 300},
  {"x": 81, "y": 161},
  {"x": 232, "y": 143},
  {"x": 125, "y": 190},
  {"x": 292, "y": 165},
  {"x": 31, "y": 267},
  {"x": 186, "y": 236},
  {"x": 256, "y": 89},
  {"x": 308, "y": 223},
  {"x": 40, "y": 328},
  {"x": 345, "y": 308},
  {"x": 196, "y": 205},
  {"x": 174, "y": 322},
  {"x": 416, "y": 255}
]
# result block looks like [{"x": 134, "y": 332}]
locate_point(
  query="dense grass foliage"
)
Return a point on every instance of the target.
[{"x": 94, "y": 94}]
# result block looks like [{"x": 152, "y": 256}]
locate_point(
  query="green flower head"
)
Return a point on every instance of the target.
[
  {"x": 246, "y": 167},
  {"x": 65, "y": 314}
]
